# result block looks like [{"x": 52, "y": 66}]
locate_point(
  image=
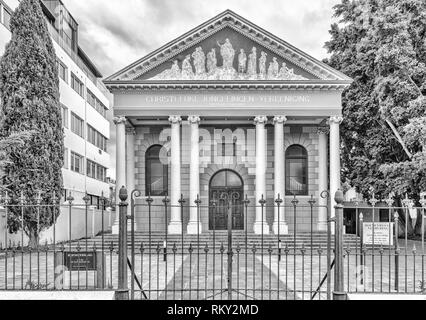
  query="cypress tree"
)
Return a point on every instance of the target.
[{"x": 29, "y": 88}]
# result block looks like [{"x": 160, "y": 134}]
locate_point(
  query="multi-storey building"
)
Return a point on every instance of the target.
[{"x": 84, "y": 102}]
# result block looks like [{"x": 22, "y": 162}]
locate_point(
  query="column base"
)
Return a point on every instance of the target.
[
  {"x": 259, "y": 226},
  {"x": 194, "y": 228},
  {"x": 283, "y": 228},
  {"x": 175, "y": 227}
]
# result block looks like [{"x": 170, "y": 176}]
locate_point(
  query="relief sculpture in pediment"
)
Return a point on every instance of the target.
[{"x": 206, "y": 67}]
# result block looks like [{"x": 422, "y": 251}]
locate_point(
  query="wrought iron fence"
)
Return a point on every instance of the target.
[
  {"x": 79, "y": 252},
  {"x": 71, "y": 254},
  {"x": 386, "y": 257},
  {"x": 228, "y": 264}
]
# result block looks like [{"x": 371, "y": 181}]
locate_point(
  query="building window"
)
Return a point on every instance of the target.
[
  {"x": 96, "y": 171},
  {"x": 62, "y": 70},
  {"x": 156, "y": 173},
  {"x": 65, "y": 158},
  {"x": 77, "y": 85},
  {"x": 96, "y": 138},
  {"x": 228, "y": 149},
  {"x": 6, "y": 17},
  {"x": 77, "y": 125},
  {"x": 76, "y": 163},
  {"x": 64, "y": 113},
  {"x": 96, "y": 103},
  {"x": 296, "y": 171},
  {"x": 101, "y": 173}
]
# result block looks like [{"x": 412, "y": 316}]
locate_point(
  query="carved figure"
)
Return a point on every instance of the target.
[
  {"x": 252, "y": 64},
  {"x": 242, "y": 61},
  {"x": 283, "y": 74},
  {"x": 275, "y": 67},
  {"x": 211, "y": 61},
  {"x": 262, "y": 64},
  {"x": 228, "y": 54},
  {"x": 187, "y": 71},
  {"x": 199, "y": 61},
  {"x": 175, "y": 70}
]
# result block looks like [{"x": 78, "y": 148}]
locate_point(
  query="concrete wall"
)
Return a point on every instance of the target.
[
  {"x": 244, "y": 164},
  {"x": 61, "y": 229}
]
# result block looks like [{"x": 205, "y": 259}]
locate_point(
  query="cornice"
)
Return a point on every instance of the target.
[{"x": 135, "y": 86}]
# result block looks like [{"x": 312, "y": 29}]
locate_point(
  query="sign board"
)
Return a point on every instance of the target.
[
  {"x": 383, "y": 233},
  {"x": 80, "y": 261}
]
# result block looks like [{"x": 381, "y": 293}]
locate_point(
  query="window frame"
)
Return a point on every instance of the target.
[
  {"x": 77, "y": 85},
  {"x": 305, "y": 170},
  {"x": 6, "y": 10},
  {"x": 63, "y": 76},
  {"x": 149, "y": 159},
  {"x": 81, "y": 125},
  {"x": 64, "y": 116},
  {"x": 74, "y": 156}
]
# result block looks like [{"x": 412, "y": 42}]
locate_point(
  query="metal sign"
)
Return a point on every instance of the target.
[
  {"x": 382, "y": 233},
  {"x": 80, "y": 261}
]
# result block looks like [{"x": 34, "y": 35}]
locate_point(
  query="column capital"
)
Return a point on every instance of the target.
[
  {"x": 194, "y": 119},
  {"x": 336, "y": 120},
  {"x": 279, "y": 120},
  {"x": 119, "y": 120},
  {"x": 130, "y": 131},
  {"x": 260, "y": 120},
  {"x": 175, "y": 119}
]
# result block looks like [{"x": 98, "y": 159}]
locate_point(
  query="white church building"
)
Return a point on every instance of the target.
[{"x": 228, "y": 108}]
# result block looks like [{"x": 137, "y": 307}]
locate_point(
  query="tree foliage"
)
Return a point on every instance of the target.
[
  {"x": 29, "y": 87},
  {"x": 381, "y": 45}
]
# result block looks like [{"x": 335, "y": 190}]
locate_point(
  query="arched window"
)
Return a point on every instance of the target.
[
  {"x": 156, "y": 172},
  {"x": 296, "y": 171}
]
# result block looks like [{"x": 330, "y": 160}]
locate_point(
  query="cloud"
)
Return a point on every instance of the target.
[{"x": 115, "y": 33}]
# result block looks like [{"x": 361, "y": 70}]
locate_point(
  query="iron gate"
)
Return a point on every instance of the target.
[{"x": 226, "y": 264}]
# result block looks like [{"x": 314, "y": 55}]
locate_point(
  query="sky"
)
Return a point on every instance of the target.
[{"x": 115, "y": 33}]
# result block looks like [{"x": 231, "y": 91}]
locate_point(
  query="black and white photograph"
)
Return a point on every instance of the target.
[{"x": 230, "y": 153}]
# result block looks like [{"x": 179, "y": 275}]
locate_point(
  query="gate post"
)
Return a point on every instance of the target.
[
  {"x": 122, "y": 293},
  {"x": 338, "y": 293}
]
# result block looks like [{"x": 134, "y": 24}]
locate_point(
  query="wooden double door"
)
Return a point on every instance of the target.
[{"x": 226, "y": 190}]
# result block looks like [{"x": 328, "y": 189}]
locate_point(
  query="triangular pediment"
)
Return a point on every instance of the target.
[{"x": 227, "y": 47}]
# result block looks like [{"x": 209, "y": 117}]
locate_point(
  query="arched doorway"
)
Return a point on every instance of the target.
[{"x": 224, "y": 185}]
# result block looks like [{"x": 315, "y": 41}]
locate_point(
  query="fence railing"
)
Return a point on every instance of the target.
[
  {"x": 56, "y": 246},
  {"x": 219, "y": 259},
  {"x": 387, "y": 257}
]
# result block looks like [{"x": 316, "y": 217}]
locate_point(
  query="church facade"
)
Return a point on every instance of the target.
[{"x": 228, "y": 108}]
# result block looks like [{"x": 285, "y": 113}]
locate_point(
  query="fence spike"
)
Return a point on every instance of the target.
[
  {"x": 312, "y": 201},
  {"x": 295, "y": 202}
]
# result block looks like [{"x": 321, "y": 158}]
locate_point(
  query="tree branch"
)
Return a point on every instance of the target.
[
  {"x": 398, "y": 136},
  {"x": 415, "y": 85}
]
